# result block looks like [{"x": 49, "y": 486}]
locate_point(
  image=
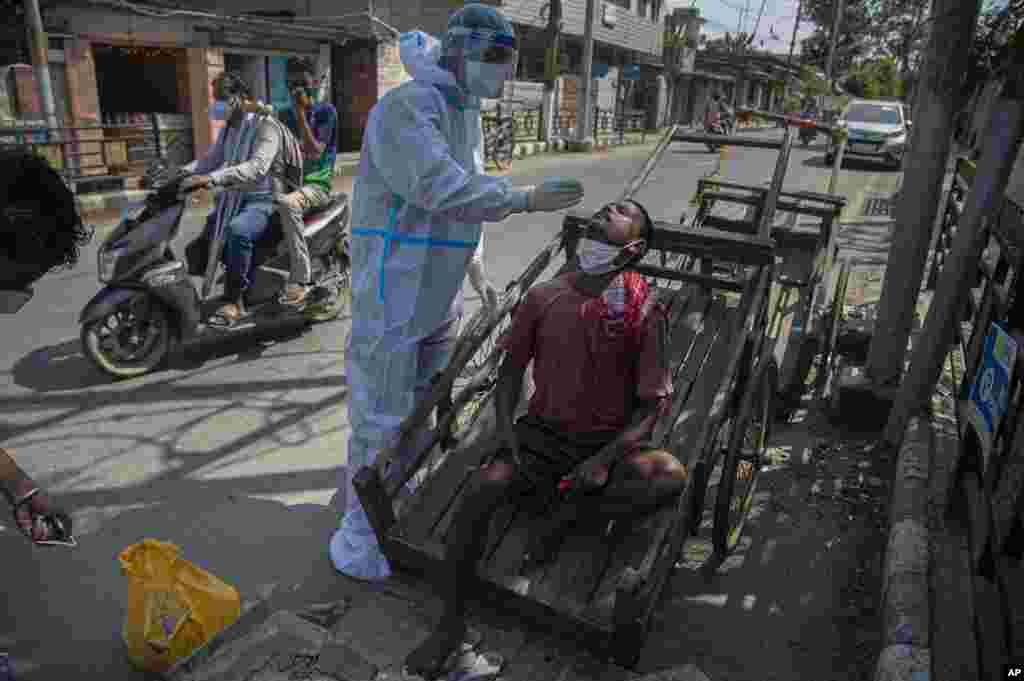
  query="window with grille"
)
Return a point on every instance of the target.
[{"x": 641, "y": 7}]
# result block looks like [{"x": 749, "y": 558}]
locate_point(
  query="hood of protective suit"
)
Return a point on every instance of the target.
[{"x": 421, "y": 56}]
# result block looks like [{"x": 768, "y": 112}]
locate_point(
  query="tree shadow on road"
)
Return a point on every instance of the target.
[
  {"x": 797, "y": 598},
  {"x": 64, "y": 366},
  {"x": 860, "y": 164},
  {"x": 75, "y": 632},
  {"x": 190, "y": 479}
]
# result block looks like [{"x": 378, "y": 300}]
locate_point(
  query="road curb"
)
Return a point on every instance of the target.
[{"x": 906, "y": 606}]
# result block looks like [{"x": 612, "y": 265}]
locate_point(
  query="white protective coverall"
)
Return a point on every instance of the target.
[{"x": 419, "y": 201}]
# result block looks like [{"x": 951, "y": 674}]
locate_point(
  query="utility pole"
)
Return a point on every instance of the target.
[
  {"x": 551, "y": 61},
  {"x": 584, "y": 105},
  {"x": 834, "y": 39},
  {"x": 41, "y": 59},
  {"x": 919, "y": 198},
  {"x": 1000, "y": 148},
  {"x": 796, "y": 28}
]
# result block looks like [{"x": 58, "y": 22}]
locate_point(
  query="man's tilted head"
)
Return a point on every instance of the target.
[
  {"x": 624, "y": 222},
  {"x": 40, "y": 228}
]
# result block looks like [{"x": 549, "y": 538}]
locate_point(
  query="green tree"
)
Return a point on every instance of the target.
[
  {"x": 810, "y": 84},
  {"x": 868, "y": 29},
  {"x": 874, "y": 79},
  {"x": 853, "y": 26},
  {"x": 989, "y": 50}
]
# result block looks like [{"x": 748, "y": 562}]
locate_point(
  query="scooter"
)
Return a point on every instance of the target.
[{"x": 149, "y": 304}]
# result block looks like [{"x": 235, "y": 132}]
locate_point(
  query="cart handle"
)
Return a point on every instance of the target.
[{"x": 727, "y": 140}]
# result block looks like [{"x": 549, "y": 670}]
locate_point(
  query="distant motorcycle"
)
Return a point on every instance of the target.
[
  {"x": 807, "y": 133},
  {"x": 718, "y": 125}
]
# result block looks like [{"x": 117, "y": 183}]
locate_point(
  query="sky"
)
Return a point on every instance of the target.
[{"x": 776, "y": 27}]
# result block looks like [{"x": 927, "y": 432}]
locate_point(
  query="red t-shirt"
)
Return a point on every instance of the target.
[{"x": 585, "y": 381}]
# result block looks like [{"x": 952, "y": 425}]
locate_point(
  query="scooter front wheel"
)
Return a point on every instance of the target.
[{"x": 128, "y": 342}]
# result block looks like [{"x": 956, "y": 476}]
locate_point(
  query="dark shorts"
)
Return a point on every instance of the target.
[{"x": 547, "y": 455}]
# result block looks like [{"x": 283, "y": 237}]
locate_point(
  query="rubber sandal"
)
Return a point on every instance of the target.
[
  {"x": 222, "y": 319},
  {"x": 294, "y": 303},
  {"x": 473, "y": 666}
]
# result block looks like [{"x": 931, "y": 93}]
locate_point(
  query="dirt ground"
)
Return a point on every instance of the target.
[{"x": 799, "y": 599}]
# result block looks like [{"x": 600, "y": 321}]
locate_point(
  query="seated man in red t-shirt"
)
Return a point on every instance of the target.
[{"x": 597, "y": 340}]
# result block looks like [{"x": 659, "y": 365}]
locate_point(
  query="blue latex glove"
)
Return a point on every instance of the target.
[{"x": 557, "y": 193}]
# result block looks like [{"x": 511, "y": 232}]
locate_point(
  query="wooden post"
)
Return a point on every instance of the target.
[
  {"x": 1000, "y": 149},
  {"x": 918, "y": 204}
]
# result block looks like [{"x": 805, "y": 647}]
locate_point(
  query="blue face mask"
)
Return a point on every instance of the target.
[
  {"x": 219, "y": 111},
  {"x": 487, "y": 80},
  {"x": 224, "y": 110}
]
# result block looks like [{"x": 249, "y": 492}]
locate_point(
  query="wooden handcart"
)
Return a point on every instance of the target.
[{"x": 716, "y": 280}]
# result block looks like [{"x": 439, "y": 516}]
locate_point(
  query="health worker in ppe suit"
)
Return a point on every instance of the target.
[{"x": 419, "y": 200}]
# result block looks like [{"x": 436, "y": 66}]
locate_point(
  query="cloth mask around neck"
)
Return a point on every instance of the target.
[
  {"x": 596, "y": 255},
  {"x": 487, "y": 80}
]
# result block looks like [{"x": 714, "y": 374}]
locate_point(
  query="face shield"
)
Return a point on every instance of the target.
[{"x": 481, "y": 50}]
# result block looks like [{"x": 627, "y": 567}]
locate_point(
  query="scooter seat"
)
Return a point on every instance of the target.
[{"x": 335, "y": 200}]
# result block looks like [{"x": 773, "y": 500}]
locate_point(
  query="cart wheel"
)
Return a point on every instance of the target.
[
  {"x": 469, "y": 412},
  {"x": 748, "y": 444}
]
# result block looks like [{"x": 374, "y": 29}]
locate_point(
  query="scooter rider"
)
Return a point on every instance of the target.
[
  {"x": 314, "y": 124},
  {"x": 419, "y": 199},
  {"x": 253, "y": 155},
  {"x": 726, "y": 116}
]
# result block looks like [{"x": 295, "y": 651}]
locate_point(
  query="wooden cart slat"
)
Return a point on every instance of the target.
[
  {"x": 634, "y": 547},
  {"x": 687, "y": 426},
  {"x": 782, "y": 206},
  {"x": 746, "y": 249},
  {"x": 436, "y": 493}
]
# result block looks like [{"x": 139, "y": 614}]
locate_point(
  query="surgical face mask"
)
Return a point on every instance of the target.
[
  {"x": 224, "y": 110},
  {"x": 487, "y": 80},
  {"x": 596, "y": 256},
  {"x": 12, "y": 301}
]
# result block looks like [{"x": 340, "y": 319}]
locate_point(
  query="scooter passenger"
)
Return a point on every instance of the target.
[
  {"x": 419, "y": 201},
  {"x": 314, "y": 124},
  {"x": 254, "y": 155}
]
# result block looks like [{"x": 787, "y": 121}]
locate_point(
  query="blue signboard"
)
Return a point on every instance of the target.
[
  {"x": 598, "y": 70},
  {"x": 630, "y": 72},
  {"x": 990, "y": 393}
]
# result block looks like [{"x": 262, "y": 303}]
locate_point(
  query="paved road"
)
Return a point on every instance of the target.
[{"x": 253, "y": 422}]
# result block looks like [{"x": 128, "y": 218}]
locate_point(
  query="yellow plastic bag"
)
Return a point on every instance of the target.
[{"x": 174, "y": 606}]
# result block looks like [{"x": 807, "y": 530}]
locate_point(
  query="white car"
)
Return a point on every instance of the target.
[{"x": 875, "y": 129}]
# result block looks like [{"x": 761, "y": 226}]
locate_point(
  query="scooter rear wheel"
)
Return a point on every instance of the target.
[{"x": 125, "y": 345}]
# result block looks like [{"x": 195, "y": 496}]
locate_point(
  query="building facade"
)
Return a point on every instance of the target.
[{"x": 115, "y": 65}]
